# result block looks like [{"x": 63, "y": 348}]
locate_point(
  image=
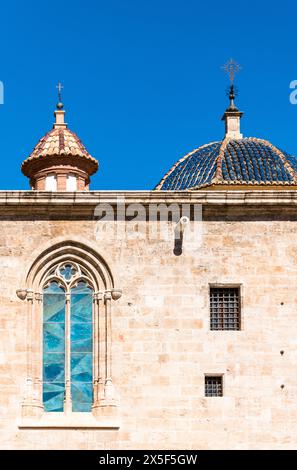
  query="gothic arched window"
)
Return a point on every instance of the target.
[
  {"x": 67, "y": 339},
  {"x": 69, "y": 290}
]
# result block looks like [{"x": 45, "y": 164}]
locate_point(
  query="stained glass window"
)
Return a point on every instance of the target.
[
  {"x": 67, "y": 358},
  {"x": 81, "y": 347},
  {"x": 53, "y": 347}
]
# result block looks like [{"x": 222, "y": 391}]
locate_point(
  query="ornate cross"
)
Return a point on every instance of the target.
[
  {"x": 231, "y": 68},
  {"x": 60, "y": 87}
]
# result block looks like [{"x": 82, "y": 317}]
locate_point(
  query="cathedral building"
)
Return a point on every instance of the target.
[{"x": 162, "y": 319}]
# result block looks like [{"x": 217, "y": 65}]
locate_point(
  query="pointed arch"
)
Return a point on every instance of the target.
[{"x": 77, "y": 252}]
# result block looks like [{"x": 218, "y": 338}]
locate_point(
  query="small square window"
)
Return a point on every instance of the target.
[
  {"x": 214, "y": 386},
  {"x": 224, "y": 308}
]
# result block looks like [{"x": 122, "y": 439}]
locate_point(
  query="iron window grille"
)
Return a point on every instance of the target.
[
  {"x": 224, "y": 308},
  {"x": 214, "y": 386}
]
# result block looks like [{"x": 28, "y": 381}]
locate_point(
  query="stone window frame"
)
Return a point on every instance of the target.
[
  {"x": 227, "y": 285},
  {"x": 105, "y": 409}
]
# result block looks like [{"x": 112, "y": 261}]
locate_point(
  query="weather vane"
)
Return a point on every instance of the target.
[
  {"x": 231, "y": 68},
  {"x": 60, "y": 87}
]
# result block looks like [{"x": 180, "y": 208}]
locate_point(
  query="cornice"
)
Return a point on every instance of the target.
[{"x": 92, "y": 198}]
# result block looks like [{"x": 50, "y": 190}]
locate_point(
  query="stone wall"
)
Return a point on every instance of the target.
[{"x": 162, "y": 344}]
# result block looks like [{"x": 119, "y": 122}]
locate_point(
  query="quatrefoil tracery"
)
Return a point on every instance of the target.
[{"x": 67, "y": 275}]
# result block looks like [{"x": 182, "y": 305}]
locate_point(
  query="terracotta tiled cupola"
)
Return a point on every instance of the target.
[{"x": 60, "y": 162}]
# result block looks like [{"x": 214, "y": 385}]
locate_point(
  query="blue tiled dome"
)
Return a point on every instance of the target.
[{"x": 247, "y": 161}]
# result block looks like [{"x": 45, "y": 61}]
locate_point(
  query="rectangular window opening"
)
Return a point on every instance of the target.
[
  {"x": 213, "y": 385},
  {"x": 225, "y": 308}
]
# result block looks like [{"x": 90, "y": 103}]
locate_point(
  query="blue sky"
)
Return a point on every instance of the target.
[{"x": 142, "y": 80}]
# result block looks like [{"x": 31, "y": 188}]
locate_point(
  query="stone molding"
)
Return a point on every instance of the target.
[
  {"x": 62, "y": 199},
  {"x": 81, "y": 205}
]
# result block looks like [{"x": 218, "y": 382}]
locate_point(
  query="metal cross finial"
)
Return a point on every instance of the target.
[
  {"x": 60, "y": 88},
  {"x": 231, "y": 68}
]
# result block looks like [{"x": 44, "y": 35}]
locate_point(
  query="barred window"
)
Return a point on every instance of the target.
[
  {"x": 213, "y": 386},
  {"x": 224, "y": 308}
]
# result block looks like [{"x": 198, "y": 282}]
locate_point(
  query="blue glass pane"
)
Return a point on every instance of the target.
[
  {"x": 81, "y": 347},
  {"x": 53, "y": 347},
  {"x": 82, "y": 396},
  {"x": 53, "y": 337},
  {"x": 81, "y": 303},
  {"x": 53, "y": 367},
  {"x": 82, "y": 407},
  {"x": 53, "y": 396},
  {"x": 81, "y": 337},
  {"x": 54, "y": 288},
  {"x": 53, "y": 303},
  {"x": 81, "y": 367},
  {"x": 82, "y": 287}
]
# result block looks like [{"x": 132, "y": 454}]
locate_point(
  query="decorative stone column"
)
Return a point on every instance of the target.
[
  {"x": 36, "y": 357},
  {"x": 32, "y": 403},
  {"x": 97, "y": 366},
  {"x": 82, "y": 183},
  {"x": 67, "y": 397},
  {"x": 106, "y": 404},
  {"x": 108, "y": 386},
  {"x": 61, "y": 182},
  {"x": 39, "y": 184}
]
